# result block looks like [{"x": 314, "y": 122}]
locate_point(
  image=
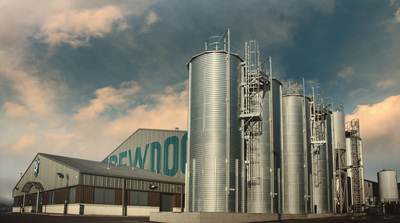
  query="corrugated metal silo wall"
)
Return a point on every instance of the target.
[
  {"x": 259, "y": 198},
  {"x": 208, "y": 129},
  {"x": 296, "y": 147},
  {"x": 162, "y": 151}
]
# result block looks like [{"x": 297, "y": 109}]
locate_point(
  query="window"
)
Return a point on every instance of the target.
[
  {"x": 52, "y": 197},
  {"x": 138, "y": 198},
  {"x": 104, "y": 196},
  {"x": 72, "y": 193}
]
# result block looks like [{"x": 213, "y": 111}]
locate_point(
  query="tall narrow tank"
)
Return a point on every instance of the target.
[
  {"x": 387, "y": 182},
  {"x": 214, "y": 138},
  {"x": 322, "y": 194},
  {"x": 261, "y": 198},
  {"x": 296, "y": 147}
]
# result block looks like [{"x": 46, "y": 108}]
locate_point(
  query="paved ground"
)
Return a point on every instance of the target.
[
  {"x": 45, "y": 218},
  {"x": 351, "y": 219}
]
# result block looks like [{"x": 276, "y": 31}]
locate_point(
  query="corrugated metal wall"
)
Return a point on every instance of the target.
[{"x": 162, "y": 151}]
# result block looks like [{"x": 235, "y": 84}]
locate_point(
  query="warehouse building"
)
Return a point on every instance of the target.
[{"x": 127, "y": 184}]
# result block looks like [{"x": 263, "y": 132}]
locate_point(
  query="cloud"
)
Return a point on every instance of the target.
[
  {"x": 15, "y": 110},
  {"x": 346, "y": 73},
  {"x": 105, "y": 98},
  {"x": 151, "y": 18},
  {"x": 385, "y": 83},
  {"x": 77, "y": 27},
  {"x": 34, "y": 94},
  {"x": 25, "y": 142},
  {"x": 397, "y": 15},
  {"x": 168, "y": 111},
  {"x": 379, "y": 128}
]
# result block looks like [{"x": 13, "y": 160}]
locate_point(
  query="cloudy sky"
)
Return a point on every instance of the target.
[{"x": 78, "y": 77}]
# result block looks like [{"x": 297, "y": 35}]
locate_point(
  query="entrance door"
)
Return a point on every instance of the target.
[{"x": 166, "y": 202}]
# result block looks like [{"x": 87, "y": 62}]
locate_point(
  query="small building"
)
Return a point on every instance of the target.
[{"x": 58, "y": 184}]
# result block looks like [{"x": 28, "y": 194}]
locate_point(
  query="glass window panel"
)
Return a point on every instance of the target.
[{"x": 138, "y": 198}]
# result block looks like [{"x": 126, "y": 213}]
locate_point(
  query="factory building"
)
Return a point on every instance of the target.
[
  {"x": 253, "y": 145},
  {"x": 128, "y": 182}
]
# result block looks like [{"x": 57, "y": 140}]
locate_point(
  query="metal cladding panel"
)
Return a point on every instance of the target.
[
  {"x": 47, "y": 176},
  {"x": 208, "y": 131},
  {"x": 387, "y": 181},
  {"x": 295, "y": 110},
  {"x": 162, "y": 151},
  {"x": 259, "y": 196}
]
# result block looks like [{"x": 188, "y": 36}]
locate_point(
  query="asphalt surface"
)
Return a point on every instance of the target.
[{"x": 49, "y": 218}]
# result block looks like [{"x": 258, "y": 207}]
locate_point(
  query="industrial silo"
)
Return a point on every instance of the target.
[
  {"x": 387, "y": 181},
  {"x": 214, "y": 139},
  {"x": 322, "y": 162},
  {"x": 339, "y": 162},
  {"x": 296, "y": 149},
  {"x": 262, "y": 197}
]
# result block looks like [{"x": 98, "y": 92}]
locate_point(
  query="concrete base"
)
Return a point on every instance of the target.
[{"x": 224, "y": 217}]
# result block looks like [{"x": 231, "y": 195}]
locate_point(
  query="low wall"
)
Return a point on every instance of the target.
[{"x": 96, "y": 209}]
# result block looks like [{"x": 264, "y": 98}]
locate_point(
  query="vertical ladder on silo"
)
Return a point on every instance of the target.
[
  {"x": 354, "y": 137},
  {"x": 251, "y": 111}
]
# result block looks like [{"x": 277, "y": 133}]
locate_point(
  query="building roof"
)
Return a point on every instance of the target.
[{"x": 110, "y": 170}]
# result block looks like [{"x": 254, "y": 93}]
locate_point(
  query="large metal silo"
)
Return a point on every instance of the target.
[
  {"x": 214, "y": 153},
  {"x": 296, "y": 149},
  {"x": 262, "y": 197},
  {"x": 387, "y": 181}
]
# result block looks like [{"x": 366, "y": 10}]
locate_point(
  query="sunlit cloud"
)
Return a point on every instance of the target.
[
  {"x": 379, "y": 126},
  {"x": 77, "y": 27},
  {"x": 105, "y": 98},
  {"x": 151, "y": 18},
  {"x": 397, "y": 15}
]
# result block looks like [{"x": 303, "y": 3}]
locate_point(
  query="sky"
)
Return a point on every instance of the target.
[{"x": 78, "y": 77}]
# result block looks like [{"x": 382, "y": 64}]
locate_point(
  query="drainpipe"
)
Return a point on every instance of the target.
[{"x": 123, "y": 197}]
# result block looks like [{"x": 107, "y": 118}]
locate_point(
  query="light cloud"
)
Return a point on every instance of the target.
[
  {"x": 397, "y": 15},
  {"x": 15, "y": 110},
  {"x": 385, "y": 83},
  {"x": 346, "y": 72},
  {"x": 105, "y": 98},
  {"x": 168, "y": 112},
  {"x": 77, "y": 27},
  {"x": 151, "y": 18},
  {"x": 34, "y": 94},
  {"x": 25, "y": 142},
  {"x": 379, "y": 129}
]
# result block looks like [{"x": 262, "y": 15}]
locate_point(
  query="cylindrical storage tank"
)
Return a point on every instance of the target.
[
  {"x": 338, "y": 149},
  {"x": 262, "y": 198},
  {"x": 214, "y": 138},
  {"x": 296, "y": 147},
  {"x": 387, "y": 182},
  {"x": 322, "y": 192},
  {"x": 339, "y": 136}
]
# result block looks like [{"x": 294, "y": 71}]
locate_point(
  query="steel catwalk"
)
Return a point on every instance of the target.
[
  {"x": 296, "y": 147},
  {"x": 262, "y": 198},
  {"x": 210, "y": 132}
]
